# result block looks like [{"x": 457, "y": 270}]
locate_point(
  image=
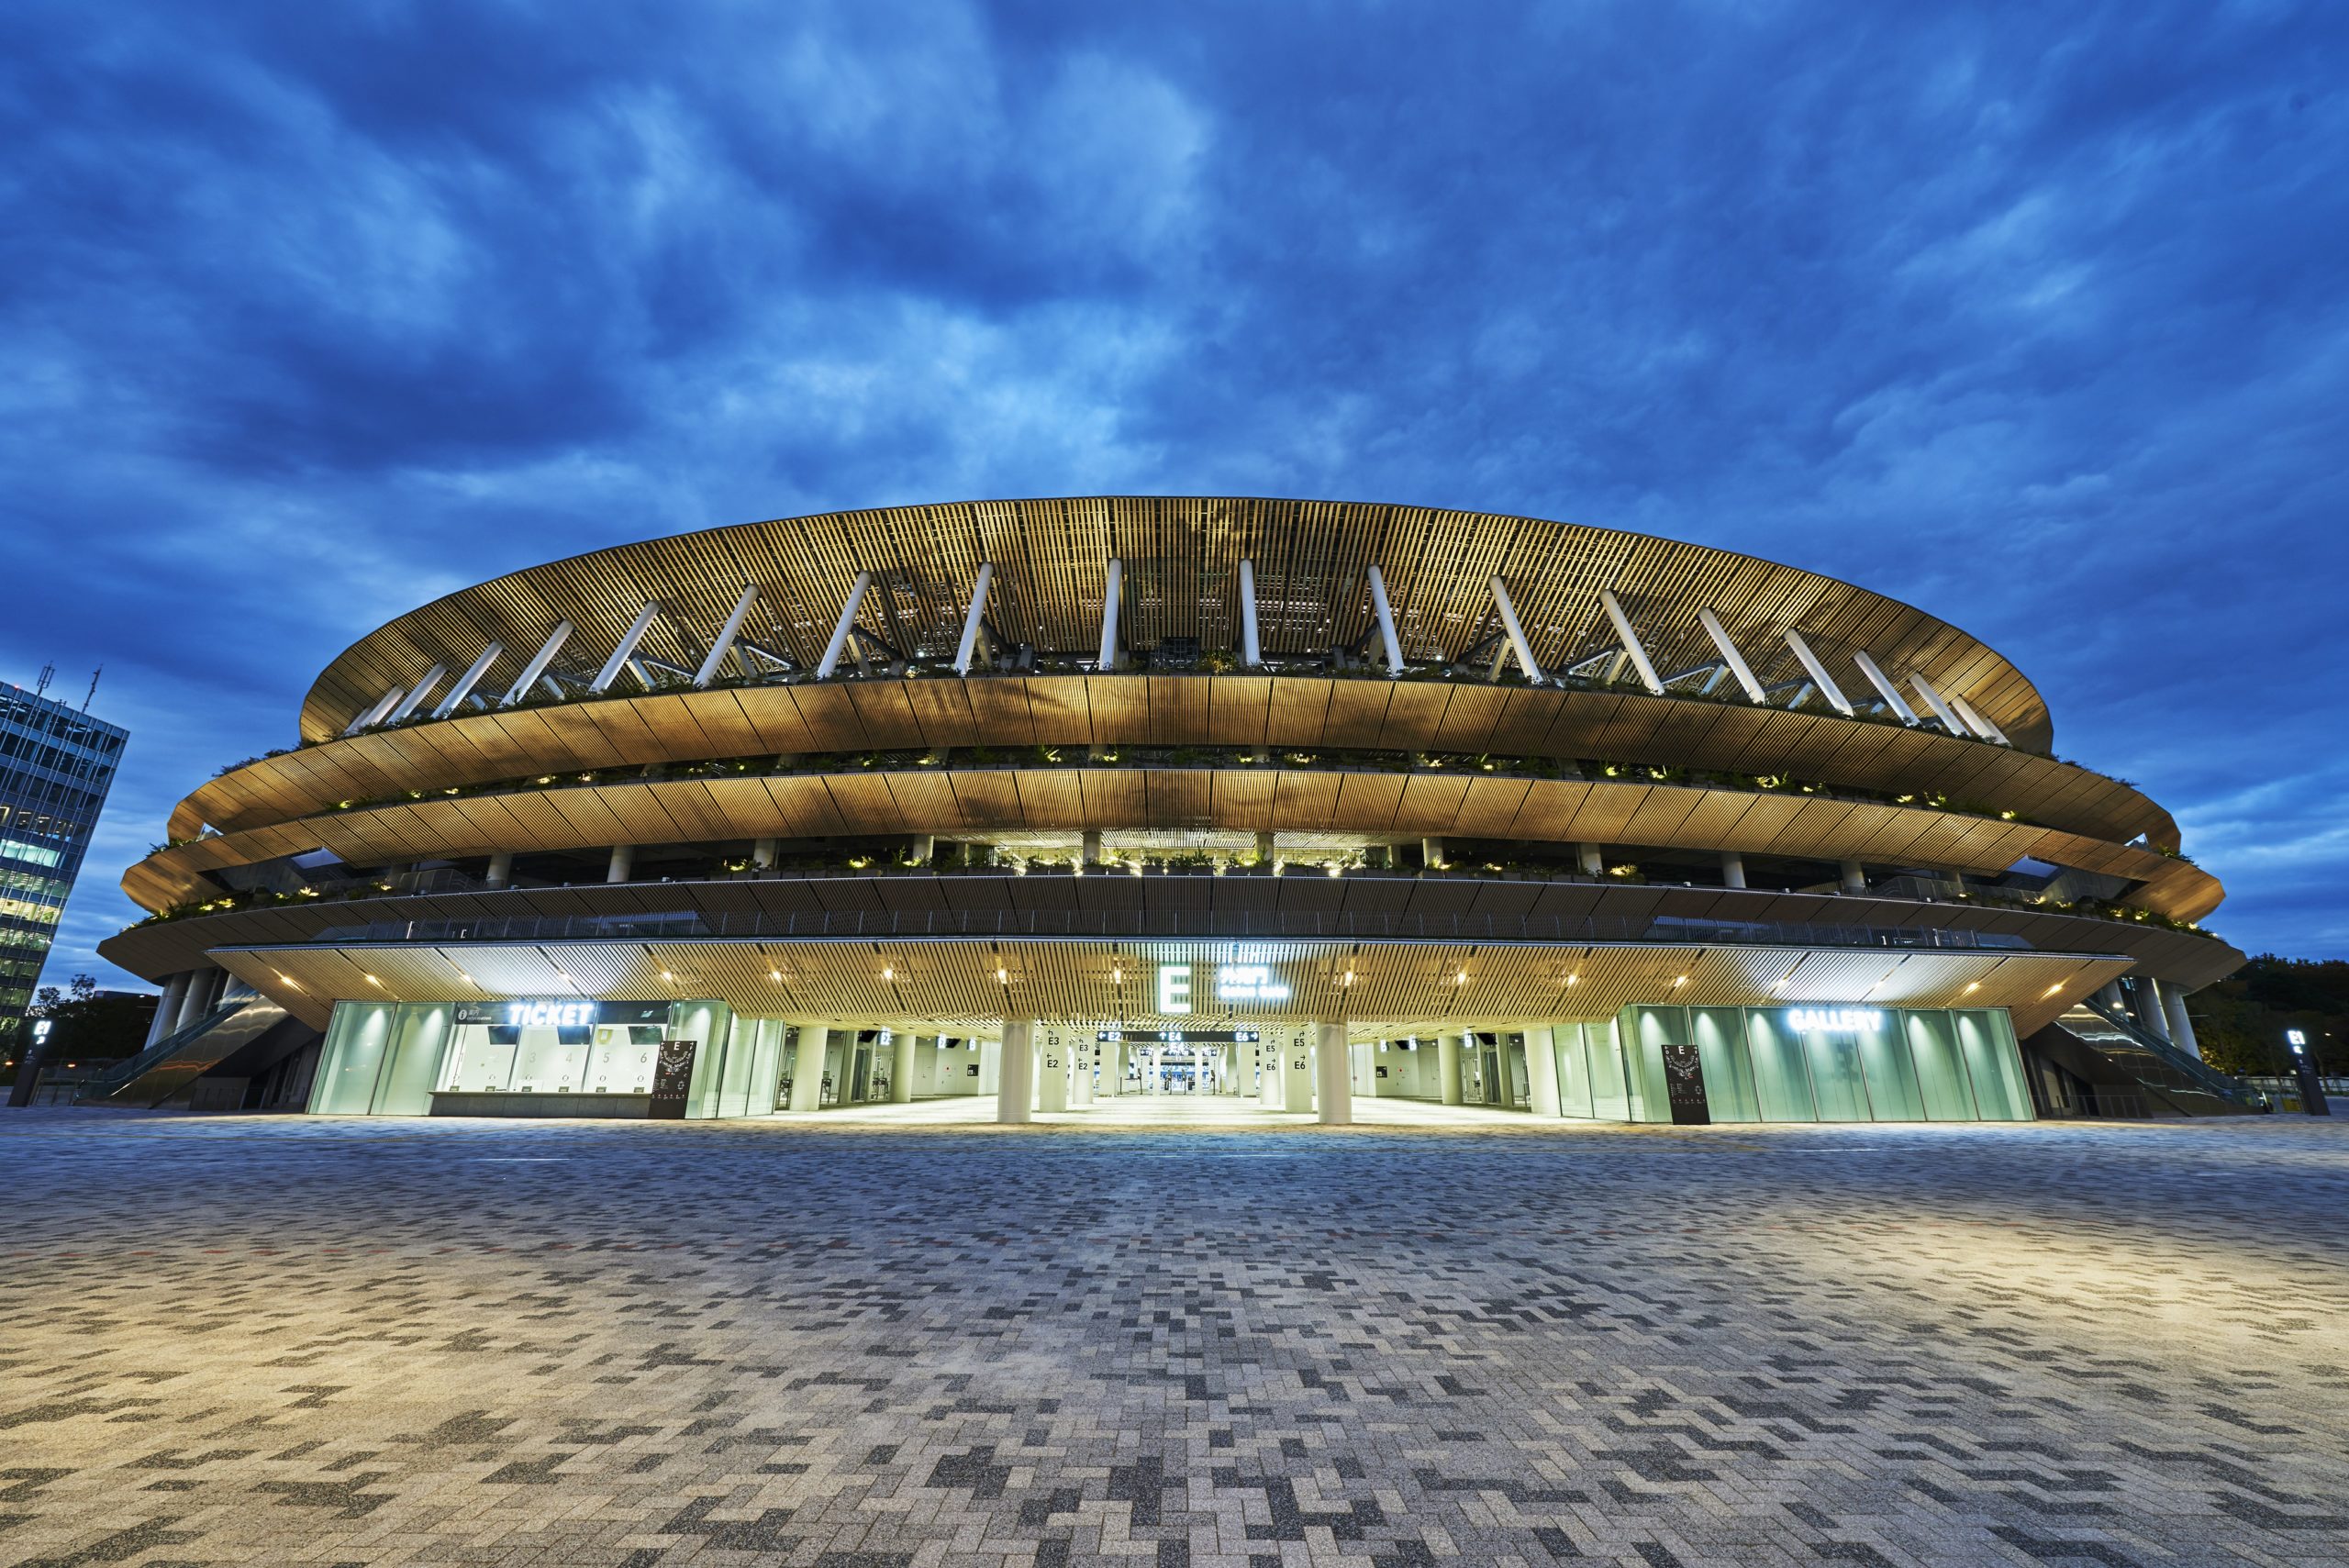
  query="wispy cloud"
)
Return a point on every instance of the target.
[{"x": 2033, "y": 318}]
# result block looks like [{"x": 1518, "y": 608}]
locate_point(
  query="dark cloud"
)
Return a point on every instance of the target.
[{"x": 2032, "y": 316}]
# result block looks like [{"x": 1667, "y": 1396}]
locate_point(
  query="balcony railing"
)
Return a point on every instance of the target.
[{"x": 1166, "y": 925}]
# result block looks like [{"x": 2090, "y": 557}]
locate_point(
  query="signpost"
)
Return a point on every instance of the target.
[
  {"x": 2312, "y": 1098},
  {"x": 672, "y": 1075},
  {"x": 1684, "y": 1084}
]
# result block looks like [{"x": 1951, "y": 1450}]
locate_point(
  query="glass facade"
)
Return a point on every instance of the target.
[
  {"x": 531, "y": 1057},
  {"x": 1817, "y": 1064},
  {"x": 55, "y": 765}
]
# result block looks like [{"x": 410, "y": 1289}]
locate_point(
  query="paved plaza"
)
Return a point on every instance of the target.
[{"x": 1160, "y": 1338}]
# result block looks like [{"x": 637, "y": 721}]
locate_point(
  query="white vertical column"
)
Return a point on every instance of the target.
[
  {"x": 808, "y": 1069},
  {"x": 1251, "y": 648},
  {"x": 1950, "y": 721},
  {"x": 1592, "y": 859},
  {"x": 725, "y": 636},
  {"x": 470, "y": 679},
  {"x": 1731, "y": 656},
  {"x": 831, "y": 658},
  {"x": 1447, "y": 1068},
  {"x": 1852, "y": 876},
  {"x": 1542, "y": 1071},
  {"x": 1378, "y": 602},
  {"x": 537, "y": 664},
  {"x": 1108, "y": 660},
  {"x": 1516, "y": 631},
  {"x": 1818, "y": 673},
  {"x": 901, "y": 1073},
  {"x": 1051, "y": 1086},
  {"x": 625, "y": 646},
  {"x": 1632, "y": 647},
  {"x": 1015, "y": 1083},
  {"x": 2181, "y": 1024},
  {"x": 622, "y": 864},
  {"x": 968, "y": 647},
  {"x": 1732, "y": 869},
  {"x": 167, "y": 1007},
  {"x": 1979, "y": 725},
  {"x": 422, "y": 689},
  {"x": 501, "y": 869},
  {"x": 1333, "y": 1090},
  {"x": 1884, "y": 688}
]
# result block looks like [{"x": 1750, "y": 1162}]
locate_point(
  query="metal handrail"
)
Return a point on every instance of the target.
[
  {"x": 2186, "y": 1064},
  {"x": 117, "y": 1073},
  {"x": 687, "y": 925}
]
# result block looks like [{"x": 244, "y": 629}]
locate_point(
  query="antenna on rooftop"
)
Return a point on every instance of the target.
[
  {"x": 48, "y": 673},
  {"x": 94, "y": 688}
]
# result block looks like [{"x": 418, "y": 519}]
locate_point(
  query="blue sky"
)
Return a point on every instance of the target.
[{"x": 2033, "y": 316}]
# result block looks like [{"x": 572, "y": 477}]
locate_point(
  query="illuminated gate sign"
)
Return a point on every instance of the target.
[
  {"x": 1174, "y": 987},
  {"x": 1249, "y": 983},
  {"x": 1838, "y": 1020},
  {"x": 550, "y": 1015}
]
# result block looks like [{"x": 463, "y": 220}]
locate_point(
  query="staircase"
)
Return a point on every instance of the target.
[
  {"x": 172, "y": 1064},
  {"x": 2130, "y": 1072}
]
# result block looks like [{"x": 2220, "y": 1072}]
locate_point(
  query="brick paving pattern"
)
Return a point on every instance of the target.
[{"x": 848, "y": 1345}]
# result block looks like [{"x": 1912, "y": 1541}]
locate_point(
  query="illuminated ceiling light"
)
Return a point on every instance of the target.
[
  {"x": 666, "y": 975},
  {"x": 1461, "y": 978},
  {"x": 774, "y": 975},
  {"x": 1680, "y": 980},
  {"x": 1117, "y": 977},
  {"x": 1973, "y": 987},
  {"x": 372, "y": 981},
  {"x": 888, "y": 972},
  {"x": 1574, "y": 979},
  {"x": 2052, "y": 989},
  {"x": 1002, "y": 976},
  {"x": 1349, "y": 977}
]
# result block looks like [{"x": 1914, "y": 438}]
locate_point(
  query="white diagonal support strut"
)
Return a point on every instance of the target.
[
  {"x": 1818, "y": 673},
  {"x": 1378, "y": 602},
  {"x": 423, "y": 688},
  {"x": 1638, "y": 655},
  {"x": 1981, "y": 726},
  {"x": 625, "y": 646},
  {"x": 1731, "y": 657},
  {"x": 1950, "y": 721},
  {"x": 470, "y": 679},
  {"x": 832, "y": 650},
  {"x": 1884, "y": 688},
  {"x": 1252, "y": 649},
  {"x": 725, "y": 636},
  {"x": 1510, "y": 625},
  {"x": 1108, "y": 660},
  {"x": 537, "y": 664},
  {"x": 970, "y": 643},
  {"x": 373, "y": 714}
]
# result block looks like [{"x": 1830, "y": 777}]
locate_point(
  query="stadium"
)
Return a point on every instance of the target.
[{"x": 1039, "y": 805}]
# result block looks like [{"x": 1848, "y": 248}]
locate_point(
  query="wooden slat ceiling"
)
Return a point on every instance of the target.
[
  {"x": 1258, "y": 903},
  {"x": 1181, "y": 556},
  {"x": 1304, "y": 711},
  {"x": 1397, "y": 989},
  {"x": 1634, "y": 813}
]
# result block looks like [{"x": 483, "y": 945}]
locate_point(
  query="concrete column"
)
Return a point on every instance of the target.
[
  {"x": 623, "y": 861},
  {"x": 2156, "y": 1014},
  {"x": 1431, "y": 853},
  {"x": 762, "y": 854},
  {"x": 924, "y": 846},
  {"x": 1296, "y": 1075},
  {"x": 1264, "y": 848},
  {"x": 808, "y": 1069},
  {"x": 1447, "y": 1067},
  {"x": 1542, "y": 1071},
  {"x": 501, "y": 869},
  {"x": 1594, "y": 863},
  {"x": 1854, "y": 876},
  {"x": 204, "y": 988},
  {"x": 167, "y": 1009},
  {"x": 1080, "y": 1073},
  {"x": 1015, "y": 1087},
  {"x": 1091, "y": 852},
  {"x": 2181, "y": 1025},
  {"x": 1732, "y": 869},
  {"x": 1332, "y": 1077},
  {"x": 901, "y": 1071},
  {"x": 1052, "y": 1084}
]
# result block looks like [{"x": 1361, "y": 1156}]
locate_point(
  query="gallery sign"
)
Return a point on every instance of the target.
[{"x": 1834, "y": 1021}]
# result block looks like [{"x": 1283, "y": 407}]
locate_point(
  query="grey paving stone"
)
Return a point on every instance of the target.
[{"x": 862, "y": 1345}]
